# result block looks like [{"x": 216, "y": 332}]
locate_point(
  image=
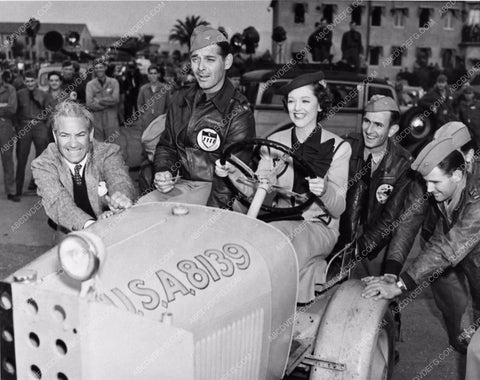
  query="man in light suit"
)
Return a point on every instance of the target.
[{"x": 73, "y": 172}]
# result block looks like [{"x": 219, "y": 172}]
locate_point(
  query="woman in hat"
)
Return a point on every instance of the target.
[{"x": 308, "y": 102}]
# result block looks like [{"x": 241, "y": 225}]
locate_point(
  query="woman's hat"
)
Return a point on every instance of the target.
[{"x": 303, "y": 80}]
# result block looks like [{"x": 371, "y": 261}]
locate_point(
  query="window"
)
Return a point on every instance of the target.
[
  {"x": 423, "y": 55},
  {"x": 357, "y": 15},
  {"x": 424, "y": 17},
  {"x": 344, "y": 95},
  {"x": 448, "y": 20},
  {"x": 447, "y": 58},
  {"x": 399, "y": 18},
  {"x": 328, "y": 13},
  {"x": 375, "y": 53},
  {"x": 397, "y": 55},
  {"x": 377, "y": 16},
  {"x": 299, "y": 13}
]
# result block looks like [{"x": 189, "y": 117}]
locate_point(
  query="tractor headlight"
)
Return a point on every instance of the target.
[{"x": 80, "y": 254}]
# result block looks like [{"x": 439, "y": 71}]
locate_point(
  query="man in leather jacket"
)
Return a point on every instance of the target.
[
  {"x": 449, "y": 290},
  {"x": 456, "y": 237},
  {"x": 376, "y": 199},
  {"x": 202, "y": 120}
]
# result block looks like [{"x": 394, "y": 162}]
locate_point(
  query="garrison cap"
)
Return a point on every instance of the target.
[
  {"x": 203, "y": 36},
  {"x": 467, "y": 89},
  {"x": 456, "y": 130},
  {"x": 303, "y": 80},
  {"x": 380, "y": 103},
  {"x": 432, "y": 154},
  {"x": 442, "y": 78}
]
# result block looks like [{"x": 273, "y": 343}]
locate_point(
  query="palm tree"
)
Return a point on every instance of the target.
[{"x": 183, "y": 30}]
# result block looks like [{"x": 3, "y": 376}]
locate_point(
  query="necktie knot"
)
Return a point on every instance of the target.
[{"x": 76, "y": 175}]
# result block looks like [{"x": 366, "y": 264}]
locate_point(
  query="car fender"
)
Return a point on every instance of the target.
[{"x": 348, "y": 334}]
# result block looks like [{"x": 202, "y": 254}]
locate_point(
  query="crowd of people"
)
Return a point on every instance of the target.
[{"x": 81, "y": 176}]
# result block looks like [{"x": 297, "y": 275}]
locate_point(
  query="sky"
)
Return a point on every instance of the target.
[{"x": 115, "y": 18}]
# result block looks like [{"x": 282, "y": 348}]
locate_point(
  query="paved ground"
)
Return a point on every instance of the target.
[{"x": 25, "y": 235}]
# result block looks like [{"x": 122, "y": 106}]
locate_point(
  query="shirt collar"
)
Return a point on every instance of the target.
[{"x": 72, "y": 166}]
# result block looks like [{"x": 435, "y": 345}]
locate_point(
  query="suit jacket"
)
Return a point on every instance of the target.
[{"x": 55, "y": 185}]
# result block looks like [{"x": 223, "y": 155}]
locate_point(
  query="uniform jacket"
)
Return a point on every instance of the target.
[
  {"x": 421, "y": 212},
  {"x": 196, "y": 134},
  {"x": 31, "y": 107},
  {"x": 335, "y": 179},
  {"x": 55, "y": 185},
  {"x": 152, "y": 104},
  {"x": 470, "y": 115},
  {"x": 385, "y": 198},
  {"x": 451, "y": 242},
  {"x": 8, "y": 96}
]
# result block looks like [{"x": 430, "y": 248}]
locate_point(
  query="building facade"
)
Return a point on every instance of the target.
[{"x": 396, "y": 35}]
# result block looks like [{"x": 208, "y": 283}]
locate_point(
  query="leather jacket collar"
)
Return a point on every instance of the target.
[{"x": 220, "y": 100}]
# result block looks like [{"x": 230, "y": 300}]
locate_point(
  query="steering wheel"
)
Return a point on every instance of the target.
[{"x": 266, "y": 180}]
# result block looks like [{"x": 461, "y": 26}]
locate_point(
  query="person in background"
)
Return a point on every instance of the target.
[
  {"x": 153, "y": 97},
  {"x": 440, "y": 101},
  {"x": 31, "y": 126},
  {"x": 103, "y": 96},
  {"x": 8, "y": 108},
  {"x": 320, "y": 42},
  {"x": 73, "y": 84},
  {"x": 352, "y": 46},
  {"x": 469, "y": 112}
]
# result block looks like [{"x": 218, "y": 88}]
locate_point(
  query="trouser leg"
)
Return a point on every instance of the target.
[
  {"x": 7, "y": 135},
  {"x": 450, "y": 295},
  {"x": 23, "y": 150}
]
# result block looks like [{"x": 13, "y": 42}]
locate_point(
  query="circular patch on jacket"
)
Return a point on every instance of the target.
[
  {"x": 208, "y": 139},
  {"x": 383, "y": 192}
]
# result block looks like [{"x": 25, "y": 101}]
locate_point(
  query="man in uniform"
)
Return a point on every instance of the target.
[
  {"x": 8, "y": 107},
  {"x": 455, "y": 239},
  {"x": 439, "y": 100},
  {"x": 449, "y": 290},
  {"x": 379, "y": 174},
  {"x": 202, "y": 120}
]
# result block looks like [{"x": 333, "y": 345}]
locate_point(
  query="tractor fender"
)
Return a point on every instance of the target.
[{"x": 348, "y": 335}]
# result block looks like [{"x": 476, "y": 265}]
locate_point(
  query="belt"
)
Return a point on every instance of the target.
[{"x": 57, "y": 227}]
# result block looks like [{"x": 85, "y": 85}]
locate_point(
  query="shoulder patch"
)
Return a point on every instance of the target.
[{"x": 473, "y": 192}]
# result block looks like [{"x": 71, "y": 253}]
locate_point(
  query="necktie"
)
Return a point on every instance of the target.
[
  {"x": 76, "y": 176},
  {"x": 366, "y": 179}
]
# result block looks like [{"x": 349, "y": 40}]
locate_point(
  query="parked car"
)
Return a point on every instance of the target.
[{"x": 350, "y": 91}]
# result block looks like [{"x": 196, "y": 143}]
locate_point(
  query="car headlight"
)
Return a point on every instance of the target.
[{"x": 80, "y": 254}]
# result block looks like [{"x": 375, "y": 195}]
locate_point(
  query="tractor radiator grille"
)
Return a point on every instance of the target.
[{"x": 233, "y": 352}]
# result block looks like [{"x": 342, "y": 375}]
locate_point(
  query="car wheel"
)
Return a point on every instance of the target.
[{"x": 416, "y": 125}]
